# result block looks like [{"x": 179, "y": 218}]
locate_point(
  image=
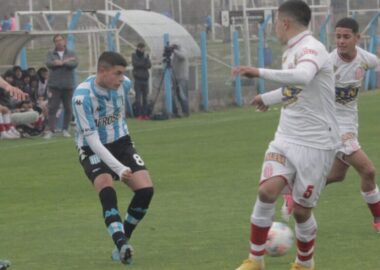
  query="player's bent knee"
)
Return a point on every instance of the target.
[
  {"x": 266, "y": 195},
  {"x": 301, "y": 214},
  {"x": 102, "y": 181},
  {"x": 369, "y": 173}
]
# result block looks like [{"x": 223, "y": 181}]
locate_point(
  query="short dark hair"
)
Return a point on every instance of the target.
[
  {"x": 349, "y": 23},
  {"x": 110, "y": 59},
  {"x": 15, "y": 68},
  {"x": 56, "y": 36},
  {"x": 298, "y": 10},
  {"x": 8, "y": 73},
  {"x": 42, "y": 69},
  {"x": 140, "y": 45}
]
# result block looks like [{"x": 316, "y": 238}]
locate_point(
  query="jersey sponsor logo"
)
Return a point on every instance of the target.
[
  {"x": 290, "y": 94},
  {"x": 107, "y": 120},
  {"x": 346, "y": 95},
  {"x": 271, "y": 156}
]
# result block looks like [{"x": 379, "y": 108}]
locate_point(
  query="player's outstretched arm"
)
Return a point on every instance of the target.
[
  {"x": 250, "y": 72},
  {"x": 13, "y": 91}
]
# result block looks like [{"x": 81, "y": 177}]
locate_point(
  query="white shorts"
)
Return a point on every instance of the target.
[
  {"x": 349, "y": 145},
  {"x": 304, "y": 169}
]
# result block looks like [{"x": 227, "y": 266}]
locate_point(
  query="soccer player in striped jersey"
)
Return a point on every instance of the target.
[
  {"x": 350, "y": 64},
  {"x": 106, "y": 149},
  {"x": 303, "y": 150}
]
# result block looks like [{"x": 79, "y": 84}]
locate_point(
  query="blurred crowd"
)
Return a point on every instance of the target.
[
  {"x": 8, "y": 23},
  {"x": 24, "y": 118}
]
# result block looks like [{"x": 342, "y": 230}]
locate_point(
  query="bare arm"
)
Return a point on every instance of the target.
[{"x": 13, "y": 91}]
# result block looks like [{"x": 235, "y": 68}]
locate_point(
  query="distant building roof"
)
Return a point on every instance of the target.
[{"x": 151, "y": 27}]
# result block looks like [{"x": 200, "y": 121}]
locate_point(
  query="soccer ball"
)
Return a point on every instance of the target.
[{"x": 280, "y": 239}]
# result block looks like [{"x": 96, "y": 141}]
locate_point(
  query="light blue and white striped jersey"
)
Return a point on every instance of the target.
[{"x": 100, "y": 110}]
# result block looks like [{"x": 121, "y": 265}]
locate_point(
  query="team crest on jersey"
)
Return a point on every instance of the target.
[
  {"x": 346, "y": 95},
  {"x": 359, "y": 72},
  {"x": 290, "y": 94}
]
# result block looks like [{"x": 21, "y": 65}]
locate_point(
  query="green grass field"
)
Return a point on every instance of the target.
[{"x": 205, "y": 170}]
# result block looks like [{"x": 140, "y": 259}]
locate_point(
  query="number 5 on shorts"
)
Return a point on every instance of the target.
[{"x": 309, "y": 191}]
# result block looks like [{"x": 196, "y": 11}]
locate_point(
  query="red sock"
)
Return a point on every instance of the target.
[
  {"x": 305, "y": 250},
  {"x": 258, "y": 238},
  {"x": 375, "y": 209}
]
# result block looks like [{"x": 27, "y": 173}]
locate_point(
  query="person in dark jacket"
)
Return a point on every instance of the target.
[
  {"x": 61, "y": 63},
  {"x": 141, "y": 65}
]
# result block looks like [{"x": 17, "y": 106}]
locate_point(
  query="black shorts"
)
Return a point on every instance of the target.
[{"x": 122, "y": 149}]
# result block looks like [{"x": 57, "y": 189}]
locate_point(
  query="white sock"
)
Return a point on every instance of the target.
[
  {"x": 371, "y": 196},
  {"x": 263, "y": 213}
]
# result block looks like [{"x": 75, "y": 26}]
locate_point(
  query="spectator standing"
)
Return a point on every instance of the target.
[
  {"x": 208, "y": 24},
  {"x": 6, "y": 24},
  {"x": 180, "y": 65},
  {"x": 141, "y": 65},
  {"x": 13, "y": 22},
  {"x": 61, "y": 63}
]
